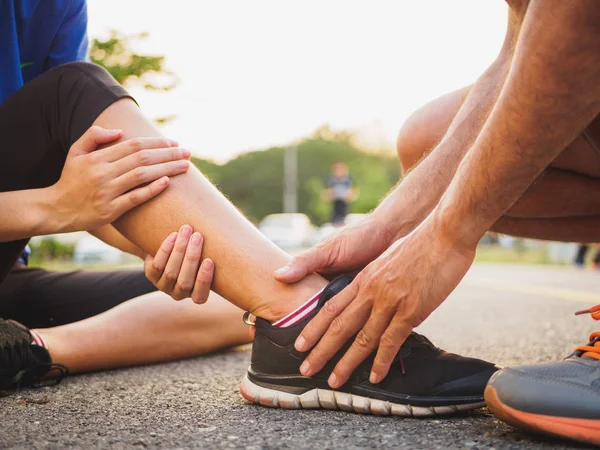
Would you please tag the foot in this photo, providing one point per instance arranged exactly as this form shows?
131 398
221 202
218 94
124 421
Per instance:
560 398
22 362
423 381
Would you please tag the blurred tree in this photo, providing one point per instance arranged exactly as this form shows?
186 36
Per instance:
258 191
130 68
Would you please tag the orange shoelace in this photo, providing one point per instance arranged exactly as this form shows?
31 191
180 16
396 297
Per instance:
593 350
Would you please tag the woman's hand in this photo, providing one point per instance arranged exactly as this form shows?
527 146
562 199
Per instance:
97 186
383 304
178 268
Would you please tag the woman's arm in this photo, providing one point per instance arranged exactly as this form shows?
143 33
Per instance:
111 236
95 187
27 213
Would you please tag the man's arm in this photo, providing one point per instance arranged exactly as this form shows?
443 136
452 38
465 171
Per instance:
420 191
551 94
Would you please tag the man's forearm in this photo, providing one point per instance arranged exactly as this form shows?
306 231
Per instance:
27 213
420 191
550 95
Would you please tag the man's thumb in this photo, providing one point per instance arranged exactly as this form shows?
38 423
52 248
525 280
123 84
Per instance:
300 266
94 137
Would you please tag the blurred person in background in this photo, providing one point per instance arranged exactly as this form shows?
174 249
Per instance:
340 191
582 252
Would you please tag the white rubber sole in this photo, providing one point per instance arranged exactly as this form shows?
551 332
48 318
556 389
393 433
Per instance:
327 399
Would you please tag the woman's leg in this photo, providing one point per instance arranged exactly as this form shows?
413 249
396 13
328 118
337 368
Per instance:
244 259
83 95
148 329
93 320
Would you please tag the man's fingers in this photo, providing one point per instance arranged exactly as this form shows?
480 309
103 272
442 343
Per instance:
138 196
131 146
203 281
173 268
149 158
389 345
147 174
155 266
342 328
189 268
92 138
365 343
320 323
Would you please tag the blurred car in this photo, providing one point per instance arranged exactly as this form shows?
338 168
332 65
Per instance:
287 230
92 250
352 219
328 228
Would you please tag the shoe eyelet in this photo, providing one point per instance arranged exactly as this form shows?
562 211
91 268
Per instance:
246 318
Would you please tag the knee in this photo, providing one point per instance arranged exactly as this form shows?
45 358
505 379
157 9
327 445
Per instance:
412 142
426 127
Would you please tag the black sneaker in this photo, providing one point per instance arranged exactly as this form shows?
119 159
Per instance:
423 380
21 363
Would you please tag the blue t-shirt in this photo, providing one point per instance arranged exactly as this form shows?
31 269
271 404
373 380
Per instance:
37 35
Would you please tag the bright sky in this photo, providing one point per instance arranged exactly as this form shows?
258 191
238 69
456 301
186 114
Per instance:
267 72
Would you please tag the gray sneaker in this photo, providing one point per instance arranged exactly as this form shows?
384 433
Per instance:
560 398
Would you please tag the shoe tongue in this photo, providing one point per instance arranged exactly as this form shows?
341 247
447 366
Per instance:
419 339
333 288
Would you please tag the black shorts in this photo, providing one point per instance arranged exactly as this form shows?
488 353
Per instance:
38 125
40 299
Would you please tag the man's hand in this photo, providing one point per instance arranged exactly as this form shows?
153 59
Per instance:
383 304
350 249
97 186
178 268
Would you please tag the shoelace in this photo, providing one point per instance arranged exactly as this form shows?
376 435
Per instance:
592 349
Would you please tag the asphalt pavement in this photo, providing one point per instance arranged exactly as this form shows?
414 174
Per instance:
508 314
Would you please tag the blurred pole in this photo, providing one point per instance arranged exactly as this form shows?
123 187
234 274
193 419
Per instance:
290 180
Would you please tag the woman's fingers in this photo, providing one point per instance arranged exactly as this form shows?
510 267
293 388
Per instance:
136 197
147 174
145 158
203 282
173 267
189 268
131 146
154 267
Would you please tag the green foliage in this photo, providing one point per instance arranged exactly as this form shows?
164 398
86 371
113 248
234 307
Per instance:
126 66
254 181
49 249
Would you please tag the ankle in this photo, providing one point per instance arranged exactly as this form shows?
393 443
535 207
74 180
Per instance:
291 298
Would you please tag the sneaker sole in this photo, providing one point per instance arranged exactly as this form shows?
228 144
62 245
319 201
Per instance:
327 399
582 430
